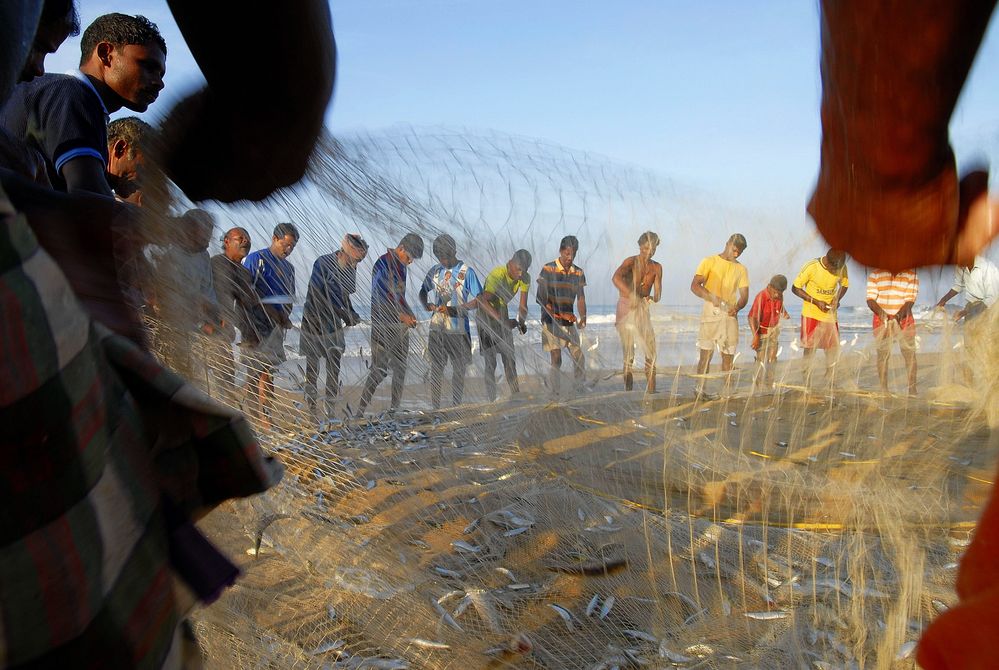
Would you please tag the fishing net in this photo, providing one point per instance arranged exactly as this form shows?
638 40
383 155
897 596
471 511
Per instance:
798 520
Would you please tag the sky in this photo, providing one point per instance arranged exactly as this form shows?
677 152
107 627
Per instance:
721 97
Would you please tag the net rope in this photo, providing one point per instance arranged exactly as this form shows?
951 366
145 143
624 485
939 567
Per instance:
812 522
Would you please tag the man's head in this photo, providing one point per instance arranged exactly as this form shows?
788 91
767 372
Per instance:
567 249
518 266
196 229
59 20
354 247
648 242
284 239
777 286
410 248
127 54
128 139
835 259
445 249
734 247
236 244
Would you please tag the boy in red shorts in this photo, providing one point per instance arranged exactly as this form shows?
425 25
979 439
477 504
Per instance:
891 297
764 323
822 283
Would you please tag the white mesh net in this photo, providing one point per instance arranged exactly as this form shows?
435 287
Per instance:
776 526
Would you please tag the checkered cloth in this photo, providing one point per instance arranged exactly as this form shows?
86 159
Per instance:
105 457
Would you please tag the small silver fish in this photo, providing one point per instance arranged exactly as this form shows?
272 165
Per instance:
519 587
565 614
672 656
939 606
470 527
768 616
707 560
639 635
506 573
905 651
444 572
446 616
327 646
516 531
579 513
418 543
592 606
605 610
331 611
427 644
465 547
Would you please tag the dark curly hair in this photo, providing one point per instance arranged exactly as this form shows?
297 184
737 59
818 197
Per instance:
133 130
119 30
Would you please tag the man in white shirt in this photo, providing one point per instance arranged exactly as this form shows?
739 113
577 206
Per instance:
980 284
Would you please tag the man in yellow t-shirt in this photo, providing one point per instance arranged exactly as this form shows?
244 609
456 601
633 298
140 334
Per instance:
723 283
493 318
821 283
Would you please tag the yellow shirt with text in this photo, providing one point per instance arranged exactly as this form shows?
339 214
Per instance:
815 280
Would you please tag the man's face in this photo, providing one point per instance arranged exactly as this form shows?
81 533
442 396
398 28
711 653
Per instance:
514 270
774 293
236 245
47 40
128 166
404 255
647 250
136 74
835 259
283 246
733 250
567 256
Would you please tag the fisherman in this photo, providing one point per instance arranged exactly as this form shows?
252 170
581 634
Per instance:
237 300
391 319
722 282
561 285
764 318
129 140
187 300
891 296
65 117
639 281
273 280
328 310
979 281
821 283
493 318
456 289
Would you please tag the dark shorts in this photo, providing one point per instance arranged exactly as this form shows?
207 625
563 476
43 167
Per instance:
445 346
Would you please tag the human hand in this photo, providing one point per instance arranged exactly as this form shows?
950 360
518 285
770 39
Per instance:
823 306
207 329
523 326
581 323
756 341
408 320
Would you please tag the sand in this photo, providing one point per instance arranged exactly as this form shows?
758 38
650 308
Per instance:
619 493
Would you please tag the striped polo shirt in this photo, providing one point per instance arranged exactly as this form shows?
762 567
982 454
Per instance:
891 291
558 288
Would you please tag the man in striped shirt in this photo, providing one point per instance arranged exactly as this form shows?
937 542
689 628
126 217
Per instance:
560 287
891 297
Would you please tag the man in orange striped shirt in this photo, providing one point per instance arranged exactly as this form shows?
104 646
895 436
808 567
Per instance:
891 297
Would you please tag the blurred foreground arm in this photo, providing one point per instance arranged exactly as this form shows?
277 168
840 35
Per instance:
270 71
887 189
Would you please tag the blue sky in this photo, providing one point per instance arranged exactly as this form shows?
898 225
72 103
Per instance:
721 97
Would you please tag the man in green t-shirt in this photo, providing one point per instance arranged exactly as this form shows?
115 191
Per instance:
494 323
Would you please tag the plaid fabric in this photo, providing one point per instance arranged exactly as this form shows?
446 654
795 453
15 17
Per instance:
96 436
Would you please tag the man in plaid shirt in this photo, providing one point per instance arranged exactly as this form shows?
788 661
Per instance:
107 456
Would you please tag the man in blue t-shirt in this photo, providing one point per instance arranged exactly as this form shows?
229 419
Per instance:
455 287
273 279
391 319
64 117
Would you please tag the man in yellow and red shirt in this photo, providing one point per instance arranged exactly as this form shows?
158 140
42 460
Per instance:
891 295
821 283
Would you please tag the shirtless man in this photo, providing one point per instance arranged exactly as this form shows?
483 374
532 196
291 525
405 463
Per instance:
639 280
